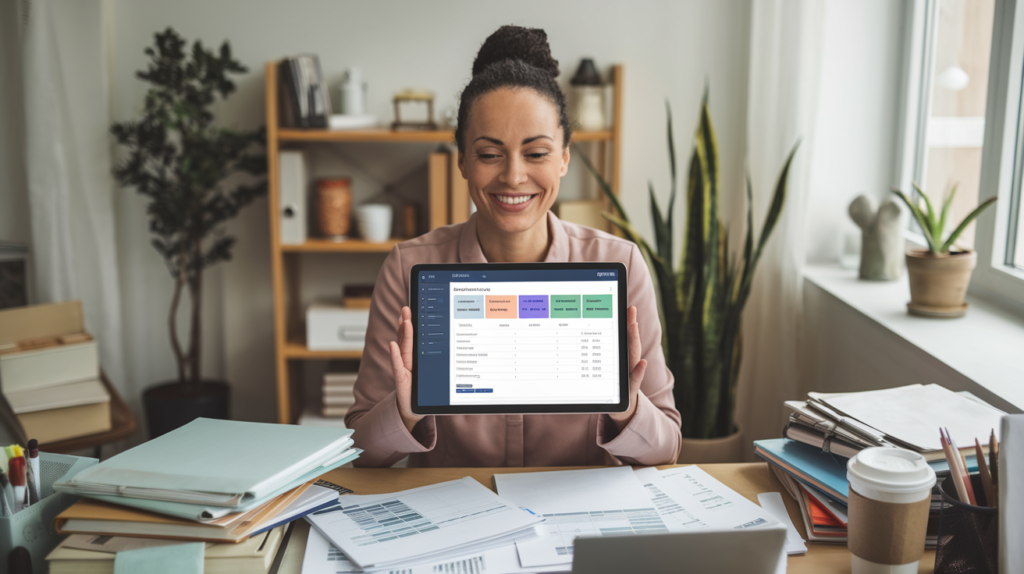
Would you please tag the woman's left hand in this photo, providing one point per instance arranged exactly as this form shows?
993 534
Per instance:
637 367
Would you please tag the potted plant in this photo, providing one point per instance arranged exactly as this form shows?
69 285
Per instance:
189 169
702 300
938 275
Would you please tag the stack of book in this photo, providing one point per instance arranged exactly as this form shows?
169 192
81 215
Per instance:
214 481
50 373
337 394
827 429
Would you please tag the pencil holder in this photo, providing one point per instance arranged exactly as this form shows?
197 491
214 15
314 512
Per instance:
32 528
968 534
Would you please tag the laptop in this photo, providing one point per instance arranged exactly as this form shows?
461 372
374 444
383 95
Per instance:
751 551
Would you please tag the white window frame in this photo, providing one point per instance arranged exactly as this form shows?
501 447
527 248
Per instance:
1002 159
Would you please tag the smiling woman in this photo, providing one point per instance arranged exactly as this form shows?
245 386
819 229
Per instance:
513 137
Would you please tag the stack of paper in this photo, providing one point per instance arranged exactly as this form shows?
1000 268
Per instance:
421 526
211 480
908 417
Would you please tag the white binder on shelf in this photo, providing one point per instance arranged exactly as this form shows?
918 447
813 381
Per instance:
294 214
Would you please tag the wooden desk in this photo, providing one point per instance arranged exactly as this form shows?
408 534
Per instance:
748 479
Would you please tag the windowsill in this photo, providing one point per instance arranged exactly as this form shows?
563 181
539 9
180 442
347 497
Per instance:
985 345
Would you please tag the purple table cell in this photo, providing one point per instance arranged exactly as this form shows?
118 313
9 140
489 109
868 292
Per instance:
533 306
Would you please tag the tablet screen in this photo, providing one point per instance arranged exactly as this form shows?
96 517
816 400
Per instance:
503 338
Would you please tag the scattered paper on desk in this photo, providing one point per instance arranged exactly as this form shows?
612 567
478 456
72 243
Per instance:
378 531
773 503
322 557
689 498
578 502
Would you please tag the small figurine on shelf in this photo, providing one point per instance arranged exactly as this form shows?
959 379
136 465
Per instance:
414 96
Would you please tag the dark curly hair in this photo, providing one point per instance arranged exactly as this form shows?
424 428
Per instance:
514 57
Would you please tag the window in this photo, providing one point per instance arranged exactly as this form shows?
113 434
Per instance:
962 126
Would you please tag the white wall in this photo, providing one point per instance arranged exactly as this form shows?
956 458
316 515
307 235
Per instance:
669 49
14 225
855 140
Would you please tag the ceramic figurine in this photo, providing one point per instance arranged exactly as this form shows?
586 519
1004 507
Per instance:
882 248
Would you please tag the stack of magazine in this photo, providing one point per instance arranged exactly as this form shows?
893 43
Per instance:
210 481
827 429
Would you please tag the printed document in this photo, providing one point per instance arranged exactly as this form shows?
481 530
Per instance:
599 501
322 557
689 498
376 531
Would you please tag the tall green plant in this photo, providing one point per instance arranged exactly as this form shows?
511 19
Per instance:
933 225
702 299
187 167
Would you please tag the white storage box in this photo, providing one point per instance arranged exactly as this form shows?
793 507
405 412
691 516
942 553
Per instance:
334 328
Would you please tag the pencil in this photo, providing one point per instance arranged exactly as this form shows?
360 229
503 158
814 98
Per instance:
954 468
963 469
993 457
986 478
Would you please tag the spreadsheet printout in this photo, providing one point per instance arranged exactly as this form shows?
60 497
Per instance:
690 499
593 502
375 531
322 557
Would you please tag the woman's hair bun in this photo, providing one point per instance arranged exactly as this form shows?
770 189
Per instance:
530 45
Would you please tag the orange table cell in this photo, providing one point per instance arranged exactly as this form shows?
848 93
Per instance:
501 307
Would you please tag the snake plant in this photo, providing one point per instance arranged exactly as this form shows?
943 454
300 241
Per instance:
933 225
702 299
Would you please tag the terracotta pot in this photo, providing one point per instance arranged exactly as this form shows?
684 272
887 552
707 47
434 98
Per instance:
712 450
938 283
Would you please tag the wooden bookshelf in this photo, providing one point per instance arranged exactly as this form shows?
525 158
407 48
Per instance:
289 336
316 245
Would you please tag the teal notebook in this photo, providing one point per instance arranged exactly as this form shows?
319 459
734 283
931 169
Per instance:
824 471
174 559
214 463
202 513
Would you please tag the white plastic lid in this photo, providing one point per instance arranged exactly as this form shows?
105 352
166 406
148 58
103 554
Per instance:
893 470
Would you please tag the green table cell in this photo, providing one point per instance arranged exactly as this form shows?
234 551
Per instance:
565 306
597 306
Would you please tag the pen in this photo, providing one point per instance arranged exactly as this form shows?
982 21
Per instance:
16 470
35 489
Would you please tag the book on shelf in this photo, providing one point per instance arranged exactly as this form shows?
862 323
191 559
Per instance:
339 400
334 411
87 554
305 102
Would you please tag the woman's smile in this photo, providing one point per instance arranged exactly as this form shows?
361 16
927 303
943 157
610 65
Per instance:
514 203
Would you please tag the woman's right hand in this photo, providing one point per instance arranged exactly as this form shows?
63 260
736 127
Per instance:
401 364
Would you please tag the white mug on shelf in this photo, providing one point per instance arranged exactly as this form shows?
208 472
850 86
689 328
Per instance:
374 220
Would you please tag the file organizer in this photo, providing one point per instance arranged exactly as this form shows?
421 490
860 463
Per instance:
33 526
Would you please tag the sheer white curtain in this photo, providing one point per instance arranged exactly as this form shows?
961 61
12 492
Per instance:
68 167
782 96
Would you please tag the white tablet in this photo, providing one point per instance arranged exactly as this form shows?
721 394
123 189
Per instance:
519 338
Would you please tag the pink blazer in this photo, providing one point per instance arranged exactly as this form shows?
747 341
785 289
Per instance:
652 436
